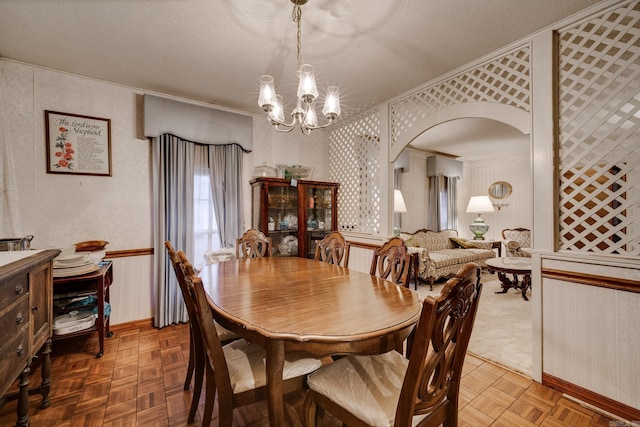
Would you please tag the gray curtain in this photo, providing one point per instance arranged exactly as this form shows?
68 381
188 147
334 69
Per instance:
175 162
443 211
397 185
225 170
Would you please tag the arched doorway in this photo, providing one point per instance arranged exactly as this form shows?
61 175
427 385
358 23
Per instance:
494 143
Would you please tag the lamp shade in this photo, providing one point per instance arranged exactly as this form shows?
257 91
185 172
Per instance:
398 202
479 204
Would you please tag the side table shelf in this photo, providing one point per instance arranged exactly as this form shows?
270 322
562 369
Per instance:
98 281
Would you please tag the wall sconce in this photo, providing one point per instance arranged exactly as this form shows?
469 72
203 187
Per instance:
500 205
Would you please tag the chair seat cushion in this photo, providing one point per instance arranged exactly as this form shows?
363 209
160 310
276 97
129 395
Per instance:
367 386
247 365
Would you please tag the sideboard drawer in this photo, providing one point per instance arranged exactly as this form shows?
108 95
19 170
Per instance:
14 356
14 318
12 289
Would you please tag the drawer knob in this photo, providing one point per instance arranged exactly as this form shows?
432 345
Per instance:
20 350
19 318
19 288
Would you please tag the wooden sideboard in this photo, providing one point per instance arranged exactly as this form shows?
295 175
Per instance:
26 310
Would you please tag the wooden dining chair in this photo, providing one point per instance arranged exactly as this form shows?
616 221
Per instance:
392 261
332 249
390 390
196 362
237 370
254 244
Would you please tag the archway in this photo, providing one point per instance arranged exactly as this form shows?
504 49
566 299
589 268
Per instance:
517 122
507 114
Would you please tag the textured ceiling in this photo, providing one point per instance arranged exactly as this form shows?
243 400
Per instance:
215 50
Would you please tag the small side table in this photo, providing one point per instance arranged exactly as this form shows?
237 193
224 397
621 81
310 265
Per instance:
100 281
515 266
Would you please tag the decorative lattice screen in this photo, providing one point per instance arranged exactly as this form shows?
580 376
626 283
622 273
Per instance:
354 146
504 80
599 133
354 162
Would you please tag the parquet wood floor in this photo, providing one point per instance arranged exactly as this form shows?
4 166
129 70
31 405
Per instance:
139 382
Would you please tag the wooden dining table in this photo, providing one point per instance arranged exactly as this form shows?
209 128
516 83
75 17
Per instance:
295 304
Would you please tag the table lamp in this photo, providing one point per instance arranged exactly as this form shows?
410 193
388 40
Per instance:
398 207
479 205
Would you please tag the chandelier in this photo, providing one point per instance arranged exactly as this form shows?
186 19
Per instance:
304 114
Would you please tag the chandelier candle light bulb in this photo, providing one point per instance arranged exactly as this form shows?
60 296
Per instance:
267 92
304 114
307 89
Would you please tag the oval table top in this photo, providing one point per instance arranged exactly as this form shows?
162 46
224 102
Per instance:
299 299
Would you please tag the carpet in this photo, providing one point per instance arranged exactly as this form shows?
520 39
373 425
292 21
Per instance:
503 329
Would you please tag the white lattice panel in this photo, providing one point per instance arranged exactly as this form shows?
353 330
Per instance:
599 134
504 80
354 162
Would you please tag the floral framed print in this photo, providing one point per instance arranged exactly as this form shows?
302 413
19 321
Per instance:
78 144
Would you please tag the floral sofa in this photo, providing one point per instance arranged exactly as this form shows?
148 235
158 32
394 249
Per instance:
442 253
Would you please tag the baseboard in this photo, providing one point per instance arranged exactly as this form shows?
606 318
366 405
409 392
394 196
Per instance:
134 324
607 404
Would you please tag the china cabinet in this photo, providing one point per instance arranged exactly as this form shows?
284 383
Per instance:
295 214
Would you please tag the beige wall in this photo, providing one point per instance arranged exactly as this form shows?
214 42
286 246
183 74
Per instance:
478 176
60 210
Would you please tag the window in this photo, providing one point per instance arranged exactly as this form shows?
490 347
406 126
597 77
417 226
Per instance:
206 236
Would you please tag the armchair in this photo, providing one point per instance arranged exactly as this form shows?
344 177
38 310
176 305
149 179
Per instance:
516 239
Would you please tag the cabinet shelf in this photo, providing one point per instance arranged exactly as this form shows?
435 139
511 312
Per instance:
96 283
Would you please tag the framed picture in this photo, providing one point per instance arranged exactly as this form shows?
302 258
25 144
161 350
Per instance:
78 144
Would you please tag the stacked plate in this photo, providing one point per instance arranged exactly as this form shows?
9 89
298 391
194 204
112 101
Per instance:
73 265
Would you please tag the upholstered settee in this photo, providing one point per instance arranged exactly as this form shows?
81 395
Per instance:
442 253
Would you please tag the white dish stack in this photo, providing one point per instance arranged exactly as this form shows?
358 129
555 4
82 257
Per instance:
74 264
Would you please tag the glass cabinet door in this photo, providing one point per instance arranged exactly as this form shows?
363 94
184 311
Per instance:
318 206
282 220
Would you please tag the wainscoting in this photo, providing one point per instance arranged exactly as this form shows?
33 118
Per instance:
133 290
590 326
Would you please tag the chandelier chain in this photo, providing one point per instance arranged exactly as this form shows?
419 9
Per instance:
297 18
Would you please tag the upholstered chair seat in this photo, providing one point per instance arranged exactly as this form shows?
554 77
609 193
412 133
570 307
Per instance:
246 363
368 387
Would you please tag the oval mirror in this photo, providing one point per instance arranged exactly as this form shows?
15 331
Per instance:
500 190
